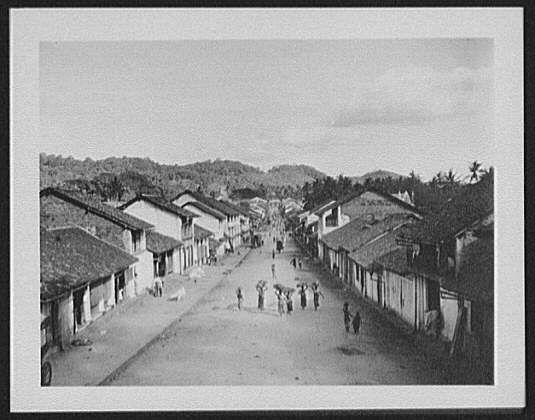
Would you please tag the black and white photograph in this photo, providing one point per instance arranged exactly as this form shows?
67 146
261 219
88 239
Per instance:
268 209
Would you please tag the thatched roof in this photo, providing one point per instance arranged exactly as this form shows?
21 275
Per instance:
92 206
71 257
158 243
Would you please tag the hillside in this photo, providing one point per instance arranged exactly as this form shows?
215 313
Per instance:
377 174
145 175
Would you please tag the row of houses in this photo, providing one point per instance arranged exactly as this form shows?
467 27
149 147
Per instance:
435 272
94 256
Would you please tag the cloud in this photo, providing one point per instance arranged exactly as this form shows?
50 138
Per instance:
418 94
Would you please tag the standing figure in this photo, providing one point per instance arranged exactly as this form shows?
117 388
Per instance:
289 303
239 295
300 263
293 262
261 288
280 302
317 294
158 287
273 254
356 323
347 316
302 292
273 274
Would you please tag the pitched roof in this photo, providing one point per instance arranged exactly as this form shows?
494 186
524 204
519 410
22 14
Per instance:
209 201
474 203
232 206
367 254
320 207
158 243
395 261
71 257
475 279
201 233
107 212
162 204
354 195
359 231
206 209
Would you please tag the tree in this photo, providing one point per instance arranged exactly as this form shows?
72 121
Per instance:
451 177
475 171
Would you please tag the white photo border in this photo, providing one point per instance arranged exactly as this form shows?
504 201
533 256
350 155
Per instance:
29 27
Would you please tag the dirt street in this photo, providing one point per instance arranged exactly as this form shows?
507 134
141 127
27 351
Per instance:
216 344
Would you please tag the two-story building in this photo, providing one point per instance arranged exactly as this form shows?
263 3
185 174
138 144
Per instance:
368 203
60 208
169 220
231 224
81 278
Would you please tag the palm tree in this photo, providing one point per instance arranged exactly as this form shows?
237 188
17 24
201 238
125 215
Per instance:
475 171
451 177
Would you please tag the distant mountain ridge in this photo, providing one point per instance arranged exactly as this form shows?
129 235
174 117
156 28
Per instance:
377 174
211 176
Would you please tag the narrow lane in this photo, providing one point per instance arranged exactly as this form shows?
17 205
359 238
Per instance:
215 344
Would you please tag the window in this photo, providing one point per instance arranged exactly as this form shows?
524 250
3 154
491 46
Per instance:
136 241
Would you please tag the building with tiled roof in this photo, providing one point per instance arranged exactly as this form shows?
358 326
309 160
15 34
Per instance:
229 228
81 278
60 208
170 220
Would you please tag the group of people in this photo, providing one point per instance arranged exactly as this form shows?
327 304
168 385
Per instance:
296 262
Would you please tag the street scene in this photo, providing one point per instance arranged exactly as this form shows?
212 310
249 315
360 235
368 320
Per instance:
249 212
229 346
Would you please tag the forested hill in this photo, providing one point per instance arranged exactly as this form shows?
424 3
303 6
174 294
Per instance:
144 175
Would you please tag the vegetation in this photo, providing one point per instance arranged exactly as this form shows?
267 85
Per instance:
120 178
428 196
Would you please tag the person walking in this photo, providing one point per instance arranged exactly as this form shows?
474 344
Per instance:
347 316
293 262
273 274
300 263
280 302
158 287
273 254
289 303
302 292
239 295
356 323
317 294
261 288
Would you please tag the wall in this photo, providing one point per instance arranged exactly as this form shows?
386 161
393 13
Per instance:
371 203
164 222
65 320
145 272
55 212
449 309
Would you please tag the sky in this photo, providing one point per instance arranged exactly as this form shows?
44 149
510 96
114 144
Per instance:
342 106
